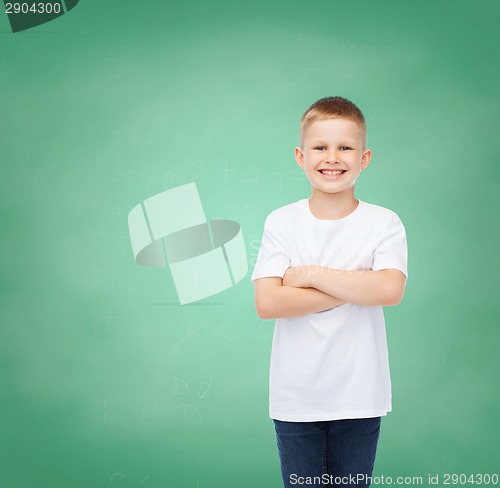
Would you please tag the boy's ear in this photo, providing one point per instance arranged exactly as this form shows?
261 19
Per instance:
365 159
299 157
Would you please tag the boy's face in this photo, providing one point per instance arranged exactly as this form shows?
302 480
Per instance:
333 156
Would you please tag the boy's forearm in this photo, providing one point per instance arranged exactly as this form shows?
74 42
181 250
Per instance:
290 301
384 287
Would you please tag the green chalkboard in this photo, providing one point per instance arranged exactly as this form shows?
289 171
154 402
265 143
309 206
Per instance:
106 380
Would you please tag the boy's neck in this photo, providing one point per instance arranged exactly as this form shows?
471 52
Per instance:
332 206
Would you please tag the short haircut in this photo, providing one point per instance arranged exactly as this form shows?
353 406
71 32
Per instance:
331 108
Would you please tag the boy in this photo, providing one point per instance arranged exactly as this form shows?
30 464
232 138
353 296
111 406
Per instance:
325 268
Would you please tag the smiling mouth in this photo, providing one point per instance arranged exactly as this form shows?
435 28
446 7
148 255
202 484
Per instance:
332 172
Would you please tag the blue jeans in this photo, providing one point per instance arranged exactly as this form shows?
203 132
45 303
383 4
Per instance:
330 453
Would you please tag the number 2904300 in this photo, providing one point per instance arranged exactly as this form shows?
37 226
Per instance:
35 8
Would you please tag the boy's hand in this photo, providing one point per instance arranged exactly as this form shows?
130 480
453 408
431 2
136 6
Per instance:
299 276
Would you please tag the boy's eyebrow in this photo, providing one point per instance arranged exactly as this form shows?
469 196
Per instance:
319 141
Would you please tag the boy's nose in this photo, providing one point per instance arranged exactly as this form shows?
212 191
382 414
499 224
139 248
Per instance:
332 157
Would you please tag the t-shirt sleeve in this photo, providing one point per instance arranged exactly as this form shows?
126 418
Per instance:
273 258
392 250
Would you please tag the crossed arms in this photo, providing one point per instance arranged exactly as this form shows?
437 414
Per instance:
309 289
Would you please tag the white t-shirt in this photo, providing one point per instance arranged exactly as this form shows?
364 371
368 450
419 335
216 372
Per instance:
333 364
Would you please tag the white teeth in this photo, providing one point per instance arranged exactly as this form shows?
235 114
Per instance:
330 172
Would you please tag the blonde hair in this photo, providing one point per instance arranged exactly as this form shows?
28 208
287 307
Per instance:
331 108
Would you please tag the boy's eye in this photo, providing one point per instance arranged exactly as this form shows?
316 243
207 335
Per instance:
341 147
